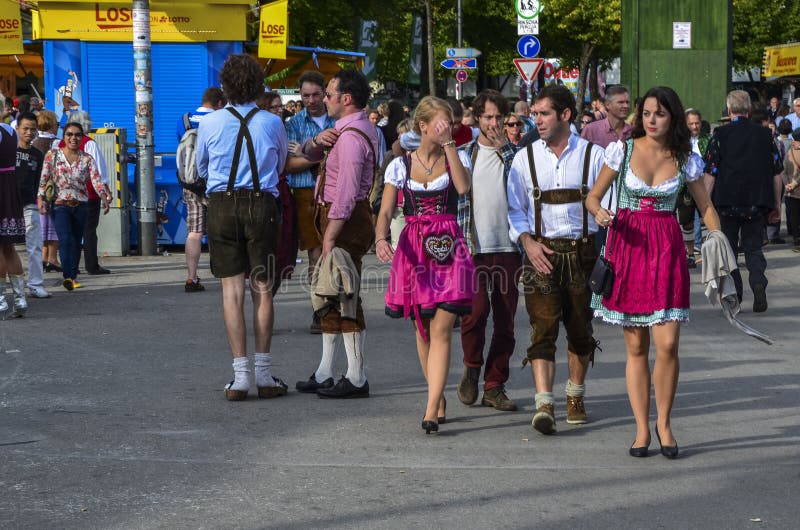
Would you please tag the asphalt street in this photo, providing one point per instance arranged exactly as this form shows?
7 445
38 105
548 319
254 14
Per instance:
112 416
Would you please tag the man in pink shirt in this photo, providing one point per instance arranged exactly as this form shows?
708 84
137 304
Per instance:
606 131
613 127
344 221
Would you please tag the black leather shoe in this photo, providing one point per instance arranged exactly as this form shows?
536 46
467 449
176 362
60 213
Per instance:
669 451
430 426
344 389
311 386
98 271
639 452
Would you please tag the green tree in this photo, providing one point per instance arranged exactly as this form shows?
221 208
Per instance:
761 23
582 33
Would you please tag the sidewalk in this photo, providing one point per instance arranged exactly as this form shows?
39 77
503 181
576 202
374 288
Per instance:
112 415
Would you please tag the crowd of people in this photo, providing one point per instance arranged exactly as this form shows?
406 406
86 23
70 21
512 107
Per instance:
471 207
51 194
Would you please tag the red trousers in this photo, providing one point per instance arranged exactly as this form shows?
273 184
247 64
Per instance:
496 278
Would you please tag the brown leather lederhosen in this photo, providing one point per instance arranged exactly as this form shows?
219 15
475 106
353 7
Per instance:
356 237
563 294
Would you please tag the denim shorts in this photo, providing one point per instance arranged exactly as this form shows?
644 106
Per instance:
243 234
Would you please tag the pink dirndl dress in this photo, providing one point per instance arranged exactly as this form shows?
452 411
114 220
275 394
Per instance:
432 267
645 247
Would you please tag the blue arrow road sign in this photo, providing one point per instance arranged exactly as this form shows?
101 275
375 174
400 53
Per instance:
460 63
528 46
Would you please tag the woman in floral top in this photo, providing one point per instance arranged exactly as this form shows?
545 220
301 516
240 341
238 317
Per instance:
71 170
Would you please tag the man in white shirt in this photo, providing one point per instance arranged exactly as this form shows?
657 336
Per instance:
547 187
497 260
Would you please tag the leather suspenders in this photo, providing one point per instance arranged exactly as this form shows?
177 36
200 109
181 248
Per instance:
560 196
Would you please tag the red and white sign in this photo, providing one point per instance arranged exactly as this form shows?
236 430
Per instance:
528 68
462 76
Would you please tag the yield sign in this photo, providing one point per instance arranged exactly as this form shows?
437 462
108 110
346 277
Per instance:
528 68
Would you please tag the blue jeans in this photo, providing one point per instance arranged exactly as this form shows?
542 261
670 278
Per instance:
70 223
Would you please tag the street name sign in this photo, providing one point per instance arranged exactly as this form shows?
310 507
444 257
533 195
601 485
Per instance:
528 26
463 52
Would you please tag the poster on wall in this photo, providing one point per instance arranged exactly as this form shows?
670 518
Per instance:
10 29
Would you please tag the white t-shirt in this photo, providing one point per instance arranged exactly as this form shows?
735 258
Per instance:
490 203
320 120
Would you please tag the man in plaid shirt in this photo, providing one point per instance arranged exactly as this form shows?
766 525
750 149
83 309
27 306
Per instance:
497 258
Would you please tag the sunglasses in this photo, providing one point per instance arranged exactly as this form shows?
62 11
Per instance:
584 122
513 124
73 135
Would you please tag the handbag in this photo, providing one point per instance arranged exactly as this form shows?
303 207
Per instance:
601 280
50 191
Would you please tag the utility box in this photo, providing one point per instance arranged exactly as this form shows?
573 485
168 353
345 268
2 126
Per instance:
113 232
682 44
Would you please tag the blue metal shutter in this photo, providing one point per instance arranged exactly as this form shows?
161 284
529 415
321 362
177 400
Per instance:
180 74
109 85
179 77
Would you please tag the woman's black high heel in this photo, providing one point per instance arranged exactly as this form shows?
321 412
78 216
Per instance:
669 451
443 419
430 426
639 452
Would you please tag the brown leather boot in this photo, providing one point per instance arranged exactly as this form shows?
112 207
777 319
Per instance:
496 397
576 412
544 420
468 386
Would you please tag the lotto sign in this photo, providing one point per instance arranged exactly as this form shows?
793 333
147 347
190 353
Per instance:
273 35
528 8
10 29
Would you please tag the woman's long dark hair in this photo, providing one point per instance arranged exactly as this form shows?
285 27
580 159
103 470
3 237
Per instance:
678 135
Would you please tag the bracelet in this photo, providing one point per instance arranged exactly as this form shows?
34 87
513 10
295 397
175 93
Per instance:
449 143
314 140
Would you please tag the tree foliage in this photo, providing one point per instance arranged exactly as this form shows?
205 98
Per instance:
761 23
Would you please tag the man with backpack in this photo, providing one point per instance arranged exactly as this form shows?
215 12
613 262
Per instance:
193 187
241 150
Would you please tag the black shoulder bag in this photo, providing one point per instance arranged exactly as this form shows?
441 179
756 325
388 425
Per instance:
601 280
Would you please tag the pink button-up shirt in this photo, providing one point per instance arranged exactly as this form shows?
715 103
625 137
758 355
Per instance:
601 133
350 168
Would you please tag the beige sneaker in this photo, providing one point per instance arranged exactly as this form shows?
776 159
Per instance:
576 412
544 420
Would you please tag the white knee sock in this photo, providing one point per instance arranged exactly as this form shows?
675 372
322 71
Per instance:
325 369
544 398
241 374
354 346
575 390
263 374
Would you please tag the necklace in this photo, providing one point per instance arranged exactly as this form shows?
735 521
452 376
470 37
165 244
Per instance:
429 170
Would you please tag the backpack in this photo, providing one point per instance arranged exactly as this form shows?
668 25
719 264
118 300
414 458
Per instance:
185 160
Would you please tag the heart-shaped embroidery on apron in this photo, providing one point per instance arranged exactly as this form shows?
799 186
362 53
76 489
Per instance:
439 247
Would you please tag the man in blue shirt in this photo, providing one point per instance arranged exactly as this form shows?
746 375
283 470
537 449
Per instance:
241 150
196 205
305 125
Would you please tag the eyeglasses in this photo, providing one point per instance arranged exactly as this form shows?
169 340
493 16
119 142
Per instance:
584 122
73 135
329 95
513 123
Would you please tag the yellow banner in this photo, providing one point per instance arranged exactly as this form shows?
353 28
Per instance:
273 30
10 29
113 21
782 60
